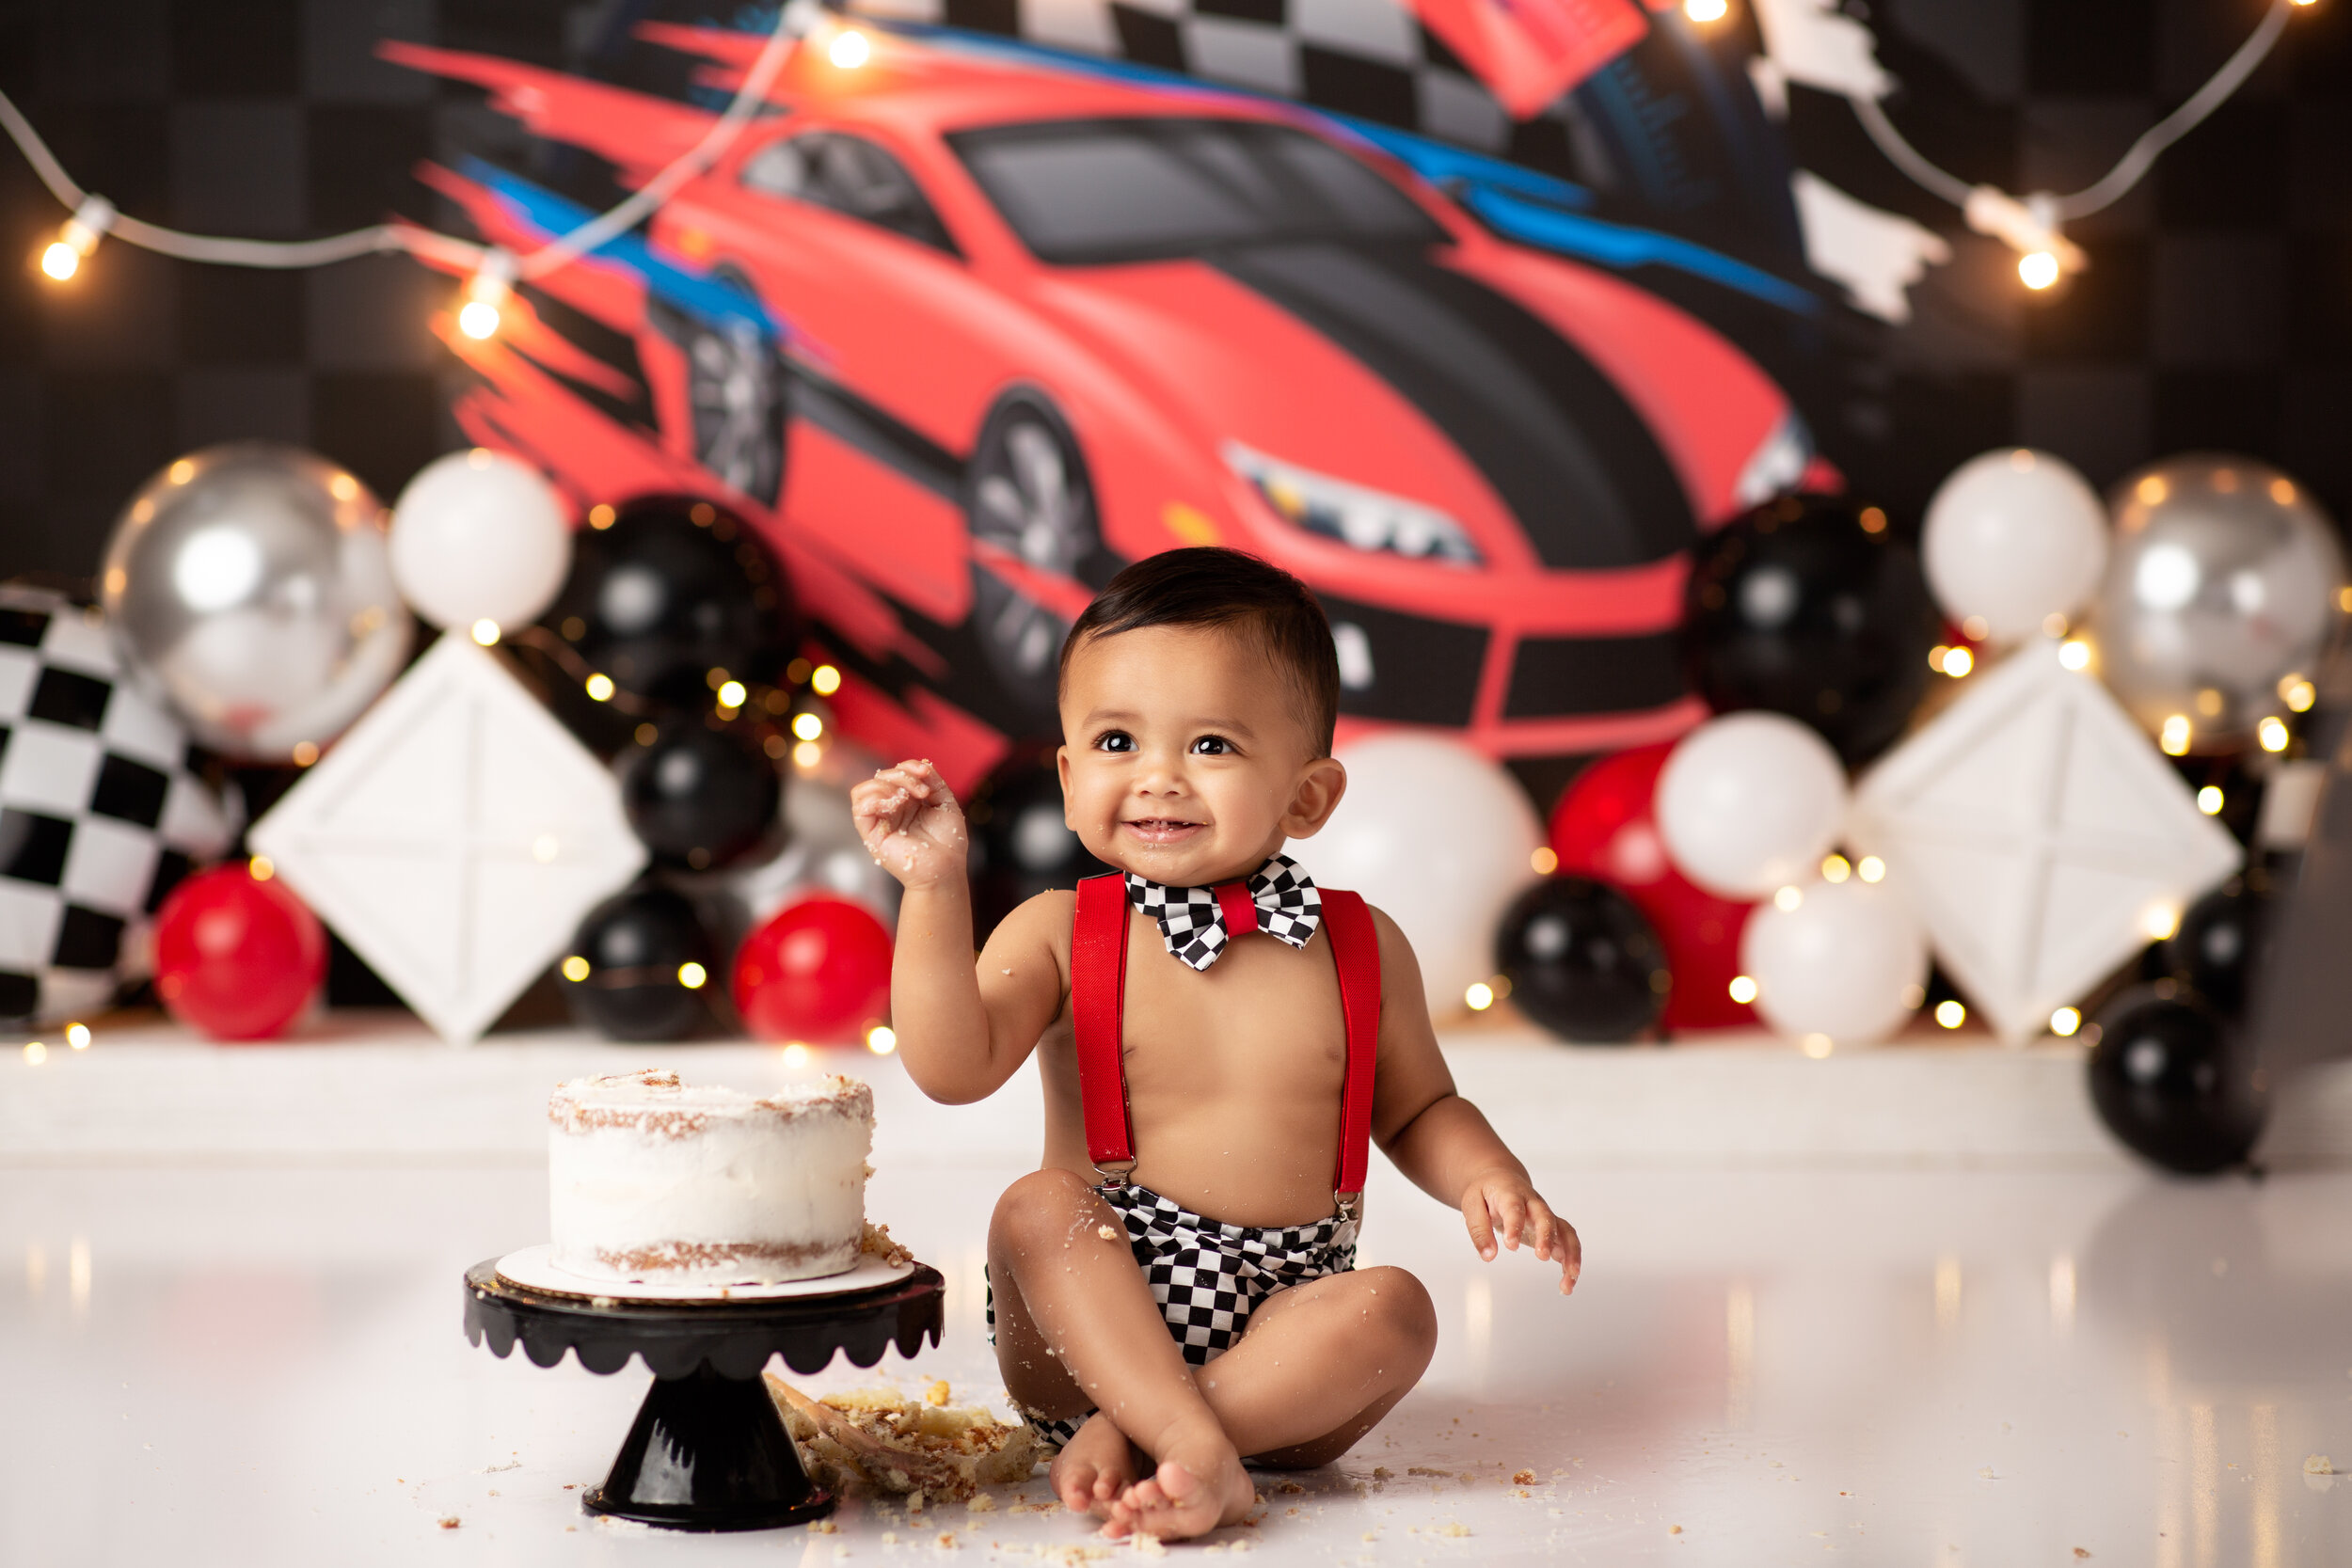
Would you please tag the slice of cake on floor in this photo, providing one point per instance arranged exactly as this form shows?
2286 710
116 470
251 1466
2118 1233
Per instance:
650 1180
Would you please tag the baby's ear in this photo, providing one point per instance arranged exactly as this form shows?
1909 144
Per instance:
1320 784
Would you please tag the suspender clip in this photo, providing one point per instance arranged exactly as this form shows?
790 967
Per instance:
1113 1173
1349 1207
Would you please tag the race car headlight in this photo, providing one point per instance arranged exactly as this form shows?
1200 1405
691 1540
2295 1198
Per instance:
1776 464
1363 519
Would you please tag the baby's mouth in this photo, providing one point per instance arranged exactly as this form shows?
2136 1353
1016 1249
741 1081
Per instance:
1161 829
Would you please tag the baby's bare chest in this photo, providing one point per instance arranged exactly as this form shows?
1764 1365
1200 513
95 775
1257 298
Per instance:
1261 1028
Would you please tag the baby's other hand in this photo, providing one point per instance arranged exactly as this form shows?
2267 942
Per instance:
1505 1205
911 824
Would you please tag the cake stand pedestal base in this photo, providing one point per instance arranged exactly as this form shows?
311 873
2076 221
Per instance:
708 1453
707 1450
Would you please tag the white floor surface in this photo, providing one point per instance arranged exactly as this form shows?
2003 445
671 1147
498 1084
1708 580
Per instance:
207 1361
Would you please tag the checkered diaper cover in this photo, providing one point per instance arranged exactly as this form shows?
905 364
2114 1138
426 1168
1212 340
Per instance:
1209 1277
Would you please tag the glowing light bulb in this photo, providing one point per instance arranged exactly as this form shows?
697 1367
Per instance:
807 754
599 687
2074 653
1958 662
1705 11
1834 869
1742 989
486 632
1950 1014
691 975
1480 996
1870 868
1788 898
2172 735
2037 269
78 238
2272 733
2298 693
796 1054
807 725
77 1036
850 50
882 1039
824 680
35 1052
2209 800
1546 861
2065 1022
261 868
488 290
732 694
574 969
2160 922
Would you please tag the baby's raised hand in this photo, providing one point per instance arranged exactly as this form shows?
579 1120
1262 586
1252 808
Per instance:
911 824
1506 1206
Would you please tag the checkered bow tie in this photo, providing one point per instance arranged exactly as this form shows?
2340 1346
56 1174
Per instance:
1277 898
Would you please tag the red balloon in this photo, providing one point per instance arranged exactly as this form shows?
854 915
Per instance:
819 972
1603 828
237 956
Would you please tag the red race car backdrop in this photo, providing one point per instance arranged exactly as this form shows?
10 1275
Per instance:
963 327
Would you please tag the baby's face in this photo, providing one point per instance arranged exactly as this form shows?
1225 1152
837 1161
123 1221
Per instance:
1184 758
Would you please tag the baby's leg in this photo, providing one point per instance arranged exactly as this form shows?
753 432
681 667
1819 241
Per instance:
1077 1326
1318 1367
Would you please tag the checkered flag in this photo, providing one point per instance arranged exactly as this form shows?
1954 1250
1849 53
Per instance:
1193 926
100 817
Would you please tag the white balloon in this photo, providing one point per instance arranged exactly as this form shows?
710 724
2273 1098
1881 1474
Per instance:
1845 961
1749 803
2012 538
1440 839
477 536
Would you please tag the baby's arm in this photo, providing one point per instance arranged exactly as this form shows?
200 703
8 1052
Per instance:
963 1028
1440 1141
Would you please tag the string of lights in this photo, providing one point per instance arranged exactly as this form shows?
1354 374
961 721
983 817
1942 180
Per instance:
492 271
2032 225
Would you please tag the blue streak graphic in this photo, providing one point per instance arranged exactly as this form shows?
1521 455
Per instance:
699 294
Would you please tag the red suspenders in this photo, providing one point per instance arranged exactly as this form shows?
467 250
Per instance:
1098 995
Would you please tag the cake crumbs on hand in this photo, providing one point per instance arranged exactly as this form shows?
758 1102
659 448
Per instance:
1522 1477
2319 1465
2079 1552
449 1523
1106 1232
1674 1530
824 1526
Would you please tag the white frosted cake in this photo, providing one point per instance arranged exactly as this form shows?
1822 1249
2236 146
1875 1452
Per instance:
650 1180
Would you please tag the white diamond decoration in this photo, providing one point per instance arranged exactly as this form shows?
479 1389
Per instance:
2039 836
454 837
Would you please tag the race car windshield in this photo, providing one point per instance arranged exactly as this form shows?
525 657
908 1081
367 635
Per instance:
1091 191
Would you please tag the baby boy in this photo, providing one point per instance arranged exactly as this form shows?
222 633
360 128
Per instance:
1175 1289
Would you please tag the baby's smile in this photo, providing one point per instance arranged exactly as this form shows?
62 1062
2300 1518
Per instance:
1163 831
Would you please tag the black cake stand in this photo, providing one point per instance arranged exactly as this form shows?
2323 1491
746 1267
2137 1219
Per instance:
708 1451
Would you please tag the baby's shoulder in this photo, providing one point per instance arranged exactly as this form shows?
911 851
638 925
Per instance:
1045 918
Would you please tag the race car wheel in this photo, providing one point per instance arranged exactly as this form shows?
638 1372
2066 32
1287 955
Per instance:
735 384
1026 493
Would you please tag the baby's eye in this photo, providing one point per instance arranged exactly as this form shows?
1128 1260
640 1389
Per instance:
1210 746
1115 741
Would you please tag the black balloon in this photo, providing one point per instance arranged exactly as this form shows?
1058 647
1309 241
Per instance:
1581 960
1808 606
700 794
2216 951
1019 845
634 947
2174 1084
671 591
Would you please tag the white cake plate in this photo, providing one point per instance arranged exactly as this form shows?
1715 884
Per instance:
534 1269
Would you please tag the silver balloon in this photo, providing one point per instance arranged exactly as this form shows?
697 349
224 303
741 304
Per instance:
2220 595
249 587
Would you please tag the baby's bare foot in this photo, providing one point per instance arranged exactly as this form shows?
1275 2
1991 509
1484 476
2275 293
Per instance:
1199 1486
1094 1468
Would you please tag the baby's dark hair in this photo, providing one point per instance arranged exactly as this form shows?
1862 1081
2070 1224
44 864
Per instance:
1212 586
